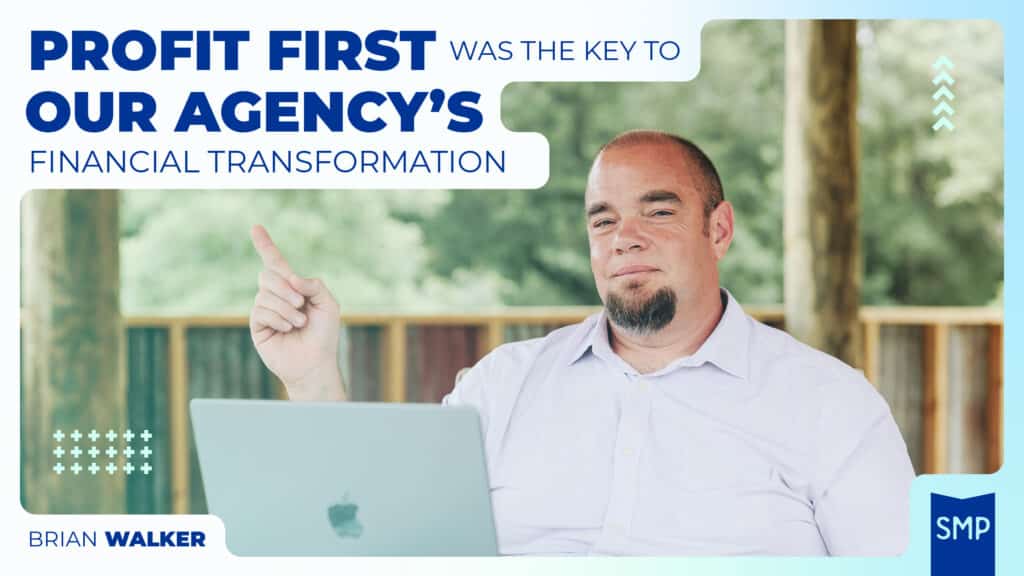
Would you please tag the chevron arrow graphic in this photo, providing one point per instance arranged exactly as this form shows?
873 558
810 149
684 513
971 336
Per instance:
943 92
942 62
943 95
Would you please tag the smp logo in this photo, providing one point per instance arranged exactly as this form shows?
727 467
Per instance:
963 535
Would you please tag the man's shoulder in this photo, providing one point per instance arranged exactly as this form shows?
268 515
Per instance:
495 380
833 401
557 343
778 357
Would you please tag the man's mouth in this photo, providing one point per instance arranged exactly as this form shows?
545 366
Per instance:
635 269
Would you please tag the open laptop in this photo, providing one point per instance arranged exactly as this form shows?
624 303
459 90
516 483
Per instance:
345 478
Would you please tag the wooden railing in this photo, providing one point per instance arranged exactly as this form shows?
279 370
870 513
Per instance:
939 368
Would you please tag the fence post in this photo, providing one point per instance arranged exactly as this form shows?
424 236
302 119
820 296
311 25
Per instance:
994 400
493 335
935 353
872 335
177 396
394 361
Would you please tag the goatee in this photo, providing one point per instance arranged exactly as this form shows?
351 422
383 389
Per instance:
642 315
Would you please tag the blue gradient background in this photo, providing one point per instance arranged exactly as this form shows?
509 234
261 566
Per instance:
1007 483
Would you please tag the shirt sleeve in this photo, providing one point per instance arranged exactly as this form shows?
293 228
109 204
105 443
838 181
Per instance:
470 390
862 497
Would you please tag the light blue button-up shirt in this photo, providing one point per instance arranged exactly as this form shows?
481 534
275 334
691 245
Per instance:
755 444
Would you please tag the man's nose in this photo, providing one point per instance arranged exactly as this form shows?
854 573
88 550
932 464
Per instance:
629 237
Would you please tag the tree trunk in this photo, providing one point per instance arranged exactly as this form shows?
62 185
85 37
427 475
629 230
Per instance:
72 349
822 235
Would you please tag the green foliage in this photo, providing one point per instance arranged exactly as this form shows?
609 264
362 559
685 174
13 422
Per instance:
931 203
189 251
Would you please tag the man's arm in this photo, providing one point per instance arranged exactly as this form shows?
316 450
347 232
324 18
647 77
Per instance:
294 325
863 504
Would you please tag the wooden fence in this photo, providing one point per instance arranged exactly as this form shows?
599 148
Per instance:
939 368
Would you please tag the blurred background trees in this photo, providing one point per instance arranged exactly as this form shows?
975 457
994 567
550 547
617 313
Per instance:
932 202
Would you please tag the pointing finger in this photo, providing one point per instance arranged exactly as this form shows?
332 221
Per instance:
268 251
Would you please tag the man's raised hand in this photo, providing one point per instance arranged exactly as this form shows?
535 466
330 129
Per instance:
294 325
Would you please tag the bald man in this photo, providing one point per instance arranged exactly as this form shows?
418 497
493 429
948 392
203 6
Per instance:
670 423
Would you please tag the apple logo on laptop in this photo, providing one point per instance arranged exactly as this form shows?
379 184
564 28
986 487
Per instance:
342 517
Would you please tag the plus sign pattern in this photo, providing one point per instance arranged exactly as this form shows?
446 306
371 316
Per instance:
71 460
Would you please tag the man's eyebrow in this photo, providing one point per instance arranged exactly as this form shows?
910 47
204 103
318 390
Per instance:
647 198
661 196
597 208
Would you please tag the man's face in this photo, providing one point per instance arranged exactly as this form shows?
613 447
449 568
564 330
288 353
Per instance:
645 221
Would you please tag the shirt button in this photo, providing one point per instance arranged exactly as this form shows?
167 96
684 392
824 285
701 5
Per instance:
642 386
616 528
627 451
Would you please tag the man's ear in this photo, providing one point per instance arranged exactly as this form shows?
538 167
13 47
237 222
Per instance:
722 228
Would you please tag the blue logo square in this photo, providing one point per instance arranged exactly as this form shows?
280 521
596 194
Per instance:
963 535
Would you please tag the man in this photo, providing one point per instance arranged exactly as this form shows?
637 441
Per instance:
670 423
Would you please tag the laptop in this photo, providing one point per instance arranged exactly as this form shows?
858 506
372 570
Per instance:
345 478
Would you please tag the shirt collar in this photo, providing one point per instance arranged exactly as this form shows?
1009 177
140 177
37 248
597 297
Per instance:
727 347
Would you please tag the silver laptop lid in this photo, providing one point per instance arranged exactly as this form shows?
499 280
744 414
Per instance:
316 479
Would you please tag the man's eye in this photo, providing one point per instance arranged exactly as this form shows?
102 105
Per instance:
602 223
663 213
